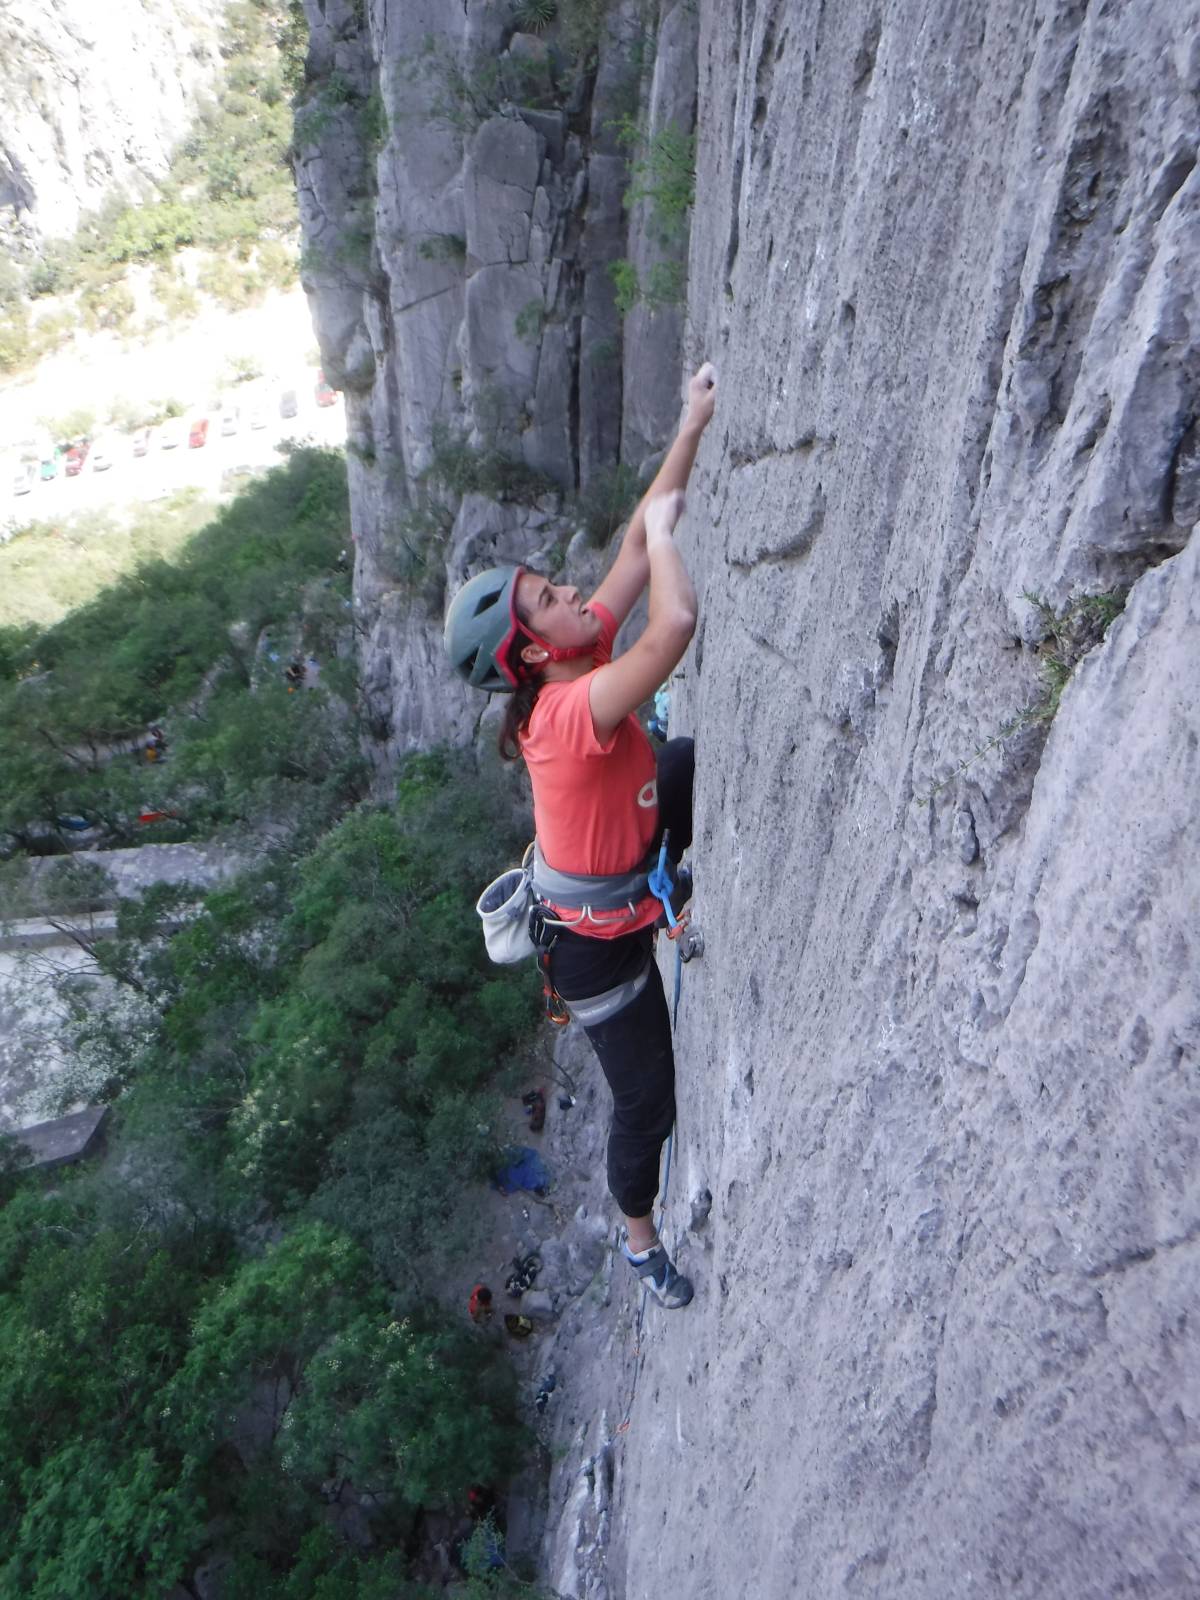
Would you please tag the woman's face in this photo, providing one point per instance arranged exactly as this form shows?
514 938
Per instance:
555 611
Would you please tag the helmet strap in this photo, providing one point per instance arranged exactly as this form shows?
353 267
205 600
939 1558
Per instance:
556 652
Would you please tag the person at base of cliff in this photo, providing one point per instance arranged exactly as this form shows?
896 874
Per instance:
601 800
479 1307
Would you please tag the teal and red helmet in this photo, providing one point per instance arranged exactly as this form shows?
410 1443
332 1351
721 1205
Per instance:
482 627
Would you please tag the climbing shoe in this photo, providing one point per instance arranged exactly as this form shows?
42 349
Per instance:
657 1272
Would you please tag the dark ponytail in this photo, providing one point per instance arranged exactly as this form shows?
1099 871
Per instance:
518 709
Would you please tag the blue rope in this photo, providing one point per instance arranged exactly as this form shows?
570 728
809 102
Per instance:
661 882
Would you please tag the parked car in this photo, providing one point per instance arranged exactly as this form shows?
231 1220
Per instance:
49 468
26 477
170 435
76 456
288 404
257 417
141 441
325 394
102 455
229 421
199 434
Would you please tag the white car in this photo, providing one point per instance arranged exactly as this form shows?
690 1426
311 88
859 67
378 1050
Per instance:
229 422
172 434
101 454
26 477
258 417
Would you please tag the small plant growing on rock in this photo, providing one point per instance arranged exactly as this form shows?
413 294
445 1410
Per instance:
663 174
531 16
1068 636
625 282
374 122
531 319
317 114
607 501
459 468
465 91
666 285
582 28
443 247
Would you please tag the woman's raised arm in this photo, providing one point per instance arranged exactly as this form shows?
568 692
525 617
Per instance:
630 572
621 686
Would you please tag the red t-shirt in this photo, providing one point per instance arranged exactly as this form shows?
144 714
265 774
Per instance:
595 804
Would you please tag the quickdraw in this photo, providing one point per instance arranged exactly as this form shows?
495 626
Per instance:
556 1006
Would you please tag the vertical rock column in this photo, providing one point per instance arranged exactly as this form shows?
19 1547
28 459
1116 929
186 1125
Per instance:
459 246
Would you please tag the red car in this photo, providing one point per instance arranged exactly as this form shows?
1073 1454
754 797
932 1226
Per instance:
199 434
76 456
326 396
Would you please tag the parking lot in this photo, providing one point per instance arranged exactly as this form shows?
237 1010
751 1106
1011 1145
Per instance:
161 470
197 366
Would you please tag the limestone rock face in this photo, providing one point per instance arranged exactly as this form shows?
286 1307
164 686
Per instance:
939 1064
935 1176
95 98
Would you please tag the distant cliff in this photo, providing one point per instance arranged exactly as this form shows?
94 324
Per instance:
95 98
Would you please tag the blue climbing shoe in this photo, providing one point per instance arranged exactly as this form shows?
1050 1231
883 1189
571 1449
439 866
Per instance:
657 1272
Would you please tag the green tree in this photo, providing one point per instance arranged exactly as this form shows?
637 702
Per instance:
95 1496
401 1410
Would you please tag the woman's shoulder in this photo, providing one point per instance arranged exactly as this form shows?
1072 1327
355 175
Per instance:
561 721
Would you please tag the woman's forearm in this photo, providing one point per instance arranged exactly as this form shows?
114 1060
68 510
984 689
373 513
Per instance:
679 460
674 473
672 594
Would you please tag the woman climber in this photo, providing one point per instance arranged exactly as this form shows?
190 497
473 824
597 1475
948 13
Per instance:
602 804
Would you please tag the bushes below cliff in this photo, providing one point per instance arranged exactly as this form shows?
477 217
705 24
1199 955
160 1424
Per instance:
222 1335
189 642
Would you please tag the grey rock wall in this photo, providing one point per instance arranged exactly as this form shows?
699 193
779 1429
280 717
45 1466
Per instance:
937 1069
95 98
462 200
939 1066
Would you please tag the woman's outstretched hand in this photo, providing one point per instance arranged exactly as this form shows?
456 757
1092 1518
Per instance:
663 511
702 396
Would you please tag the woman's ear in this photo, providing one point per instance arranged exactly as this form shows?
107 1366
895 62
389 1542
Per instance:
533 655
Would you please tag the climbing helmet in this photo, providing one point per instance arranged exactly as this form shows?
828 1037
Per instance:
481 626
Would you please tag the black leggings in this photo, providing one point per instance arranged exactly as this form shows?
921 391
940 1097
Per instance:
634 1047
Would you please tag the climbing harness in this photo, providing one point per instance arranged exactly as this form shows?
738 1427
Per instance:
552 890
585 894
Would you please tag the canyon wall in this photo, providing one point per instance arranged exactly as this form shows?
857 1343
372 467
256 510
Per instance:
461 190
938 1067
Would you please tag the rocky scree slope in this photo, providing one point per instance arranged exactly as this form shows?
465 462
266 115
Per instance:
96 98
938 1066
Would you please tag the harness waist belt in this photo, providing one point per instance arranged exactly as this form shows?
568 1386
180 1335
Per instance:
576 890
600 1007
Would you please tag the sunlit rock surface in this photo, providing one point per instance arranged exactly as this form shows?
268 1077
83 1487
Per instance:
95 97
938 1067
